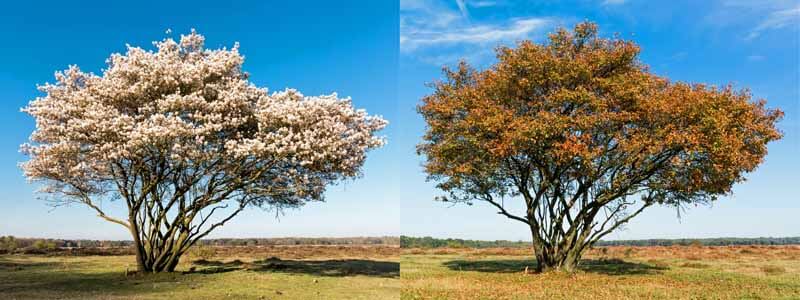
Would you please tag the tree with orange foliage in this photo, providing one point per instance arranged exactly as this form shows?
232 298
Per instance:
583 133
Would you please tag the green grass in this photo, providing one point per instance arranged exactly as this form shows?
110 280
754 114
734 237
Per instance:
708 274
103 277
350 273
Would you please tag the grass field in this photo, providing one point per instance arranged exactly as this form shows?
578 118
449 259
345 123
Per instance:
276 272
677 272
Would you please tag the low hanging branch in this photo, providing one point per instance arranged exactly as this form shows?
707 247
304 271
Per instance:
187 142
577 129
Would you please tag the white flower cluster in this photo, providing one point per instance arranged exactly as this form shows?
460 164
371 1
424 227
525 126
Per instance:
192 105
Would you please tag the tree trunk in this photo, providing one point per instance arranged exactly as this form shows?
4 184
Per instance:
557 261
174 263
168 257
141 265
548 258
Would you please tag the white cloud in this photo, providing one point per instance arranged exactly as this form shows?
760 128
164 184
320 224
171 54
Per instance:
761 15
776 20
477 34
429 24
614 2
482 3
463 8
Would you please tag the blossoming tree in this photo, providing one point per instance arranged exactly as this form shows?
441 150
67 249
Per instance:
182 137
585 138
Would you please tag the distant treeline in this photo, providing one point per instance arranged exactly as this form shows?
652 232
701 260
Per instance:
384 240
706 242
429 242
12 244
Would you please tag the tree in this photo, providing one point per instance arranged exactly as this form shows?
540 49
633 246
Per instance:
8 243
187 142
44 245
586 137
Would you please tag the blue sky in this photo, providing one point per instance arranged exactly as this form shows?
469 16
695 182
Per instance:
382 53
748 43
349 47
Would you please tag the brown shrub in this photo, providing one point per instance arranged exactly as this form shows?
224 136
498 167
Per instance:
658 263
772 270
694 265
693 257
201 252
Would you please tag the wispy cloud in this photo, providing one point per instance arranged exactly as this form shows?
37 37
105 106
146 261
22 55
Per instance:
776 20
463 8
478 34
613 2
483 3
427 25
760 15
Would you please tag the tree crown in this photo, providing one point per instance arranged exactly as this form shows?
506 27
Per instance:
582 113
184 120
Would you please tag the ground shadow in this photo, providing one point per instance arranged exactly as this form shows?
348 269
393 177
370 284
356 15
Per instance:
41 280
336 267
600 266
213 266
10 266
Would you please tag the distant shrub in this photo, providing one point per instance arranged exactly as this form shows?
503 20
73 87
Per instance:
203 252
693 257
628 252
658 263
612 261
443 251
416 251
772 270
44 245
8 244
455 244
695 265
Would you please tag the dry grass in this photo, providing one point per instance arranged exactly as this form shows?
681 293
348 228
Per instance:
676 272
277 272
303 252
773 269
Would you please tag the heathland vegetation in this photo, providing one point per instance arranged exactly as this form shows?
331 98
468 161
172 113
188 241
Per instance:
11 244
429 242
208 272
613 272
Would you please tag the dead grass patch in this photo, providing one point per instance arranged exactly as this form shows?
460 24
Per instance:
695 265
772 270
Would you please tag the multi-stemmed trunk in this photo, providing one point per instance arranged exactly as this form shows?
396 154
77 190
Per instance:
163 255
559 257
552 259
171 210
564 226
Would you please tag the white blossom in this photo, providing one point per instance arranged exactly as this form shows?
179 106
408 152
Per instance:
191 106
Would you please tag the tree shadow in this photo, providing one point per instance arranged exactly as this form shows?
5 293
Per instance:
601 266
214 266
335 267
617 266
46 280
10 266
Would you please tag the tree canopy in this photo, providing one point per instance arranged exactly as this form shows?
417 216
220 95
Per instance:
578 128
